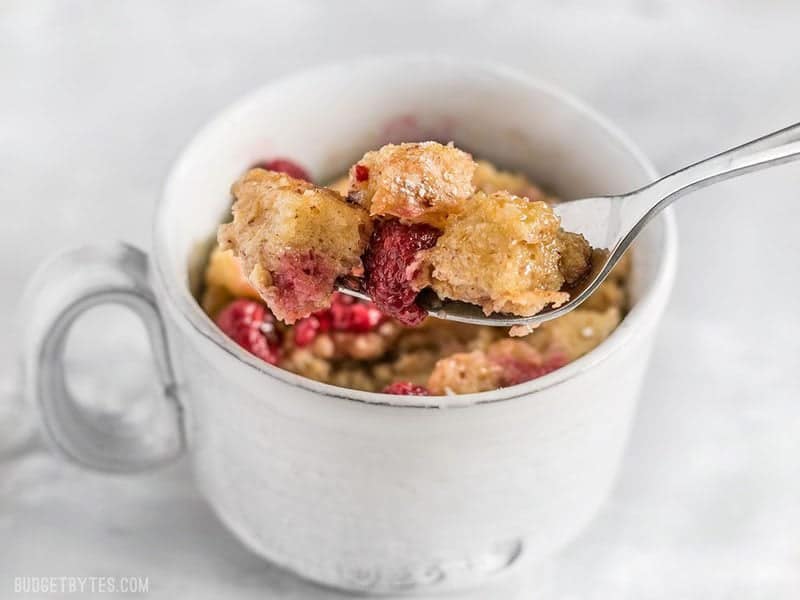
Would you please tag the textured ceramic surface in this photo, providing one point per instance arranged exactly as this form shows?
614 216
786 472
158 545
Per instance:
439 495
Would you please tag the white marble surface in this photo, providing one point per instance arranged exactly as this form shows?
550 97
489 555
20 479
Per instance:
97 97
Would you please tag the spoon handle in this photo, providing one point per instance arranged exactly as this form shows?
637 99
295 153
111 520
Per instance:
772 149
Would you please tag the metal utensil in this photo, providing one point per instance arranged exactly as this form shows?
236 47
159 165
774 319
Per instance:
614 222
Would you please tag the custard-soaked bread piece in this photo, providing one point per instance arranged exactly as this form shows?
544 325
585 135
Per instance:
503 363
575 259
614 290
340 184
224 280
505 254
224 270
464 373
420 182
575 333
522 361
214 298
489 179
304 362
622 270
610 293
294 240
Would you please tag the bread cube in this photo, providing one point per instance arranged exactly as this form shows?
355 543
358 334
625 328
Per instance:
293 240
505 254
419 182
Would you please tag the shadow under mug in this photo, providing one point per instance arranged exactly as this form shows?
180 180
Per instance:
358 490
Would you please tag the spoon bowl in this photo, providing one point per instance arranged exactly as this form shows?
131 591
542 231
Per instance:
612 223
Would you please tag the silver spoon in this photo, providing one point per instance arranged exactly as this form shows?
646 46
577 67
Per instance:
613 222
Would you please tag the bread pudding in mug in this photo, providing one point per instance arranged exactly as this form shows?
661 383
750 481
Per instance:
406 218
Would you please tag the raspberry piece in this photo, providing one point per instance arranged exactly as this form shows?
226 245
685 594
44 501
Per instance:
345 314
252 326
284 165
361 172
518 371
307 329
357 317
389 267
406 388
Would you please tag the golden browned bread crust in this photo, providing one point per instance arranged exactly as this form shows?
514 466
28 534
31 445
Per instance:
419 182
505 254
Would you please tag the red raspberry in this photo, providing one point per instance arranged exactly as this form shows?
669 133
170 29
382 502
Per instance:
406 388
345 314
362 173
284 165
252 326
519 371
392 248
307 329
357 317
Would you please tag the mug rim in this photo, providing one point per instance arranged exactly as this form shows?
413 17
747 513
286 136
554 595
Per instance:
193 315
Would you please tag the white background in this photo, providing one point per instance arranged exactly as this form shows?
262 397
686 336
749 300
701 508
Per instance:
96 98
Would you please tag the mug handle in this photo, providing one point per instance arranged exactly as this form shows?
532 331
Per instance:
59 292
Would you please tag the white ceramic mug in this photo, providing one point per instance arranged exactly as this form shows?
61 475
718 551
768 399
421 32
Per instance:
359 490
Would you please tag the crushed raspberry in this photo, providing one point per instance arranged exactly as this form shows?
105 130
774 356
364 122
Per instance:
357 317
251 325
307 329
392 249
284 165
362 172
518 371
345 314
406 388
302 280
